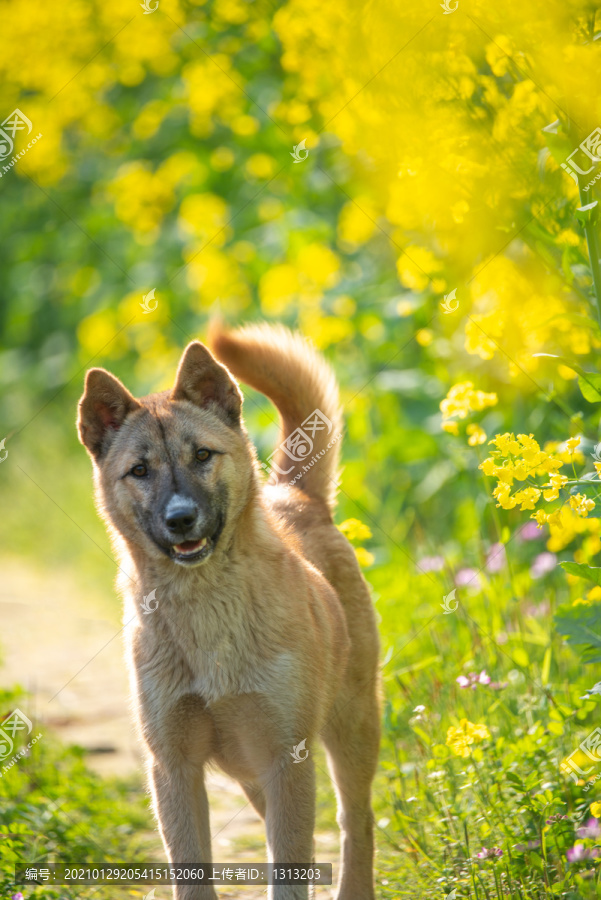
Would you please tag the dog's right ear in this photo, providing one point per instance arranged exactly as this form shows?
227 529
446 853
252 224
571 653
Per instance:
102 410
205 382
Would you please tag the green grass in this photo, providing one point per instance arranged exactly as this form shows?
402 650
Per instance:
444 808
56 810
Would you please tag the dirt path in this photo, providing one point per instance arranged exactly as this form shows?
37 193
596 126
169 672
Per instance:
66 650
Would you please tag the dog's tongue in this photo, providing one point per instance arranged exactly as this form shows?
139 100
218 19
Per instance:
189 545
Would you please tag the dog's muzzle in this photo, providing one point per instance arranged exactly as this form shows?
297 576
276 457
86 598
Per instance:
191 535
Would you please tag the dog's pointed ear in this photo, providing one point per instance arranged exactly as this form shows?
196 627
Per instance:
205 382
102 410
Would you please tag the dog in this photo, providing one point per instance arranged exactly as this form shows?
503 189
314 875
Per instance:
261 635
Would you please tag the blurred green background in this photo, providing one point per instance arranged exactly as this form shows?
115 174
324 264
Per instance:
167 162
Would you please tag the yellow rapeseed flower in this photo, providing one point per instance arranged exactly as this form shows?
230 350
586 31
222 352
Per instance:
502 494
462 399
477 435
556 482
364 557
506 443
460 738
451 426
489 466
528 497
581 504
541 517
355 530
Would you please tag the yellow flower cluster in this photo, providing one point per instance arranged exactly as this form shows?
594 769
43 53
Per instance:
460 738
513 321
460 401
593 596
428 156
355 530
568 525
520 459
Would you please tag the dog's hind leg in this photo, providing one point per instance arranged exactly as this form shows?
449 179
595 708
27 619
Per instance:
182 809
351 739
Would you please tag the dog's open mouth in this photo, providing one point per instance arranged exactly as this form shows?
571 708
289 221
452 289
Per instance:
192 551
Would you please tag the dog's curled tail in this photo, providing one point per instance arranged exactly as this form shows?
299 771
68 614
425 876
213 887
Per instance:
283 365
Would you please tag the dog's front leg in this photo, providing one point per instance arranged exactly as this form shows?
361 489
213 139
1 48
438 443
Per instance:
290 821
182 808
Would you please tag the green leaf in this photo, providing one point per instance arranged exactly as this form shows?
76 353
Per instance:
422 734
581 625
592 573
588 382
590 387
515 779
587 214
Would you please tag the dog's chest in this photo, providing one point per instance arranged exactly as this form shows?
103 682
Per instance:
228 672
217 650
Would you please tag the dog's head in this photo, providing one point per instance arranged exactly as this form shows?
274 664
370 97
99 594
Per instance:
173 470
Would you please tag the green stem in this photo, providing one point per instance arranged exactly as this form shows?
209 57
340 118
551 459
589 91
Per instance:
588 482
593 251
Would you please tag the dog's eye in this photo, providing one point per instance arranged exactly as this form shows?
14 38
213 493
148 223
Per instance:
140 470
202 455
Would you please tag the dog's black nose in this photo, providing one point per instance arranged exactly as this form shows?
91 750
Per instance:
181 516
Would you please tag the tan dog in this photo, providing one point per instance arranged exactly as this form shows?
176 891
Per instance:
264 636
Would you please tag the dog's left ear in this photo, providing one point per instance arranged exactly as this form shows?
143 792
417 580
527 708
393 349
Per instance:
205 382
105 405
